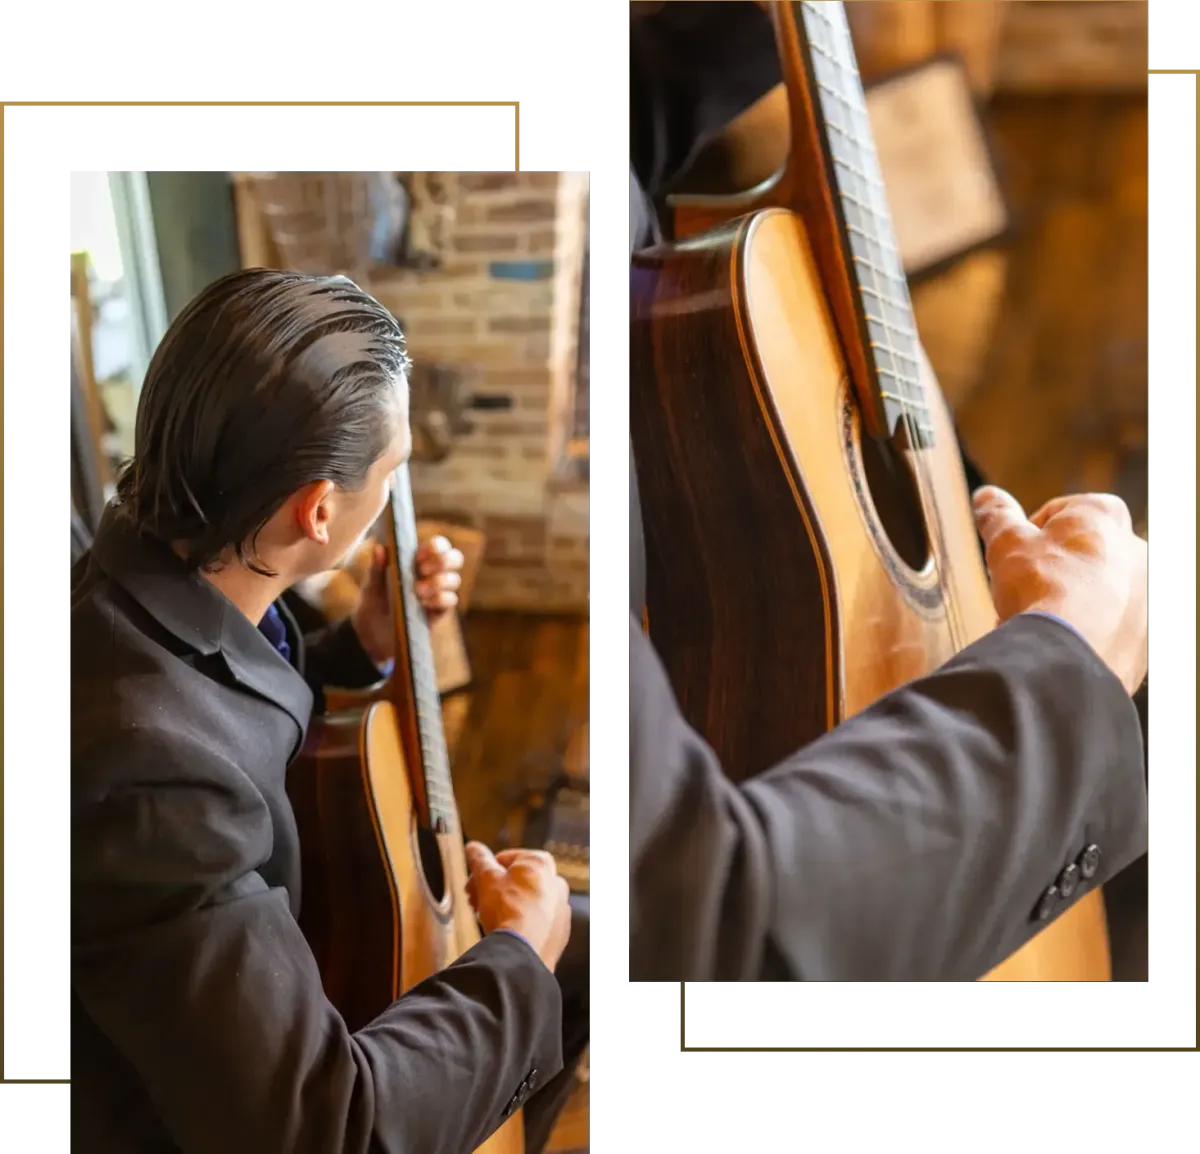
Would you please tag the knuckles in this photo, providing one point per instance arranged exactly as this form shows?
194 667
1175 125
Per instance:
1110 505
534 861
1007 540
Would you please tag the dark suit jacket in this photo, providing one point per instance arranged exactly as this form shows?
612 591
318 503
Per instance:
915 841
199 1022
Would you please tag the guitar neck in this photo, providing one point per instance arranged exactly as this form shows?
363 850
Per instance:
414 679
862 270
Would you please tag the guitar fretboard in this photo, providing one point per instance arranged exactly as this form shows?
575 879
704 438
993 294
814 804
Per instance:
870 243
435 760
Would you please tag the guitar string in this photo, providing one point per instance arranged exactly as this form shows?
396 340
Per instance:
886 240
925 485
431 737
812 30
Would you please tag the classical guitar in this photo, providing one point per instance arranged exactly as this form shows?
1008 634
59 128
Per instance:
383 865
810 541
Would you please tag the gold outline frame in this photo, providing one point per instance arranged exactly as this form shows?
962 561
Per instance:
1025 1049
43 1081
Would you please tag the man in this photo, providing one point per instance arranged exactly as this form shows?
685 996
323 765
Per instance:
270 424
928 837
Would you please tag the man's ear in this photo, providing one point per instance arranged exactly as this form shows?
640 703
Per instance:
314 507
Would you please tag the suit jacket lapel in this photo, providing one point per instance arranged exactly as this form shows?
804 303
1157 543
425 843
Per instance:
200 615
259 667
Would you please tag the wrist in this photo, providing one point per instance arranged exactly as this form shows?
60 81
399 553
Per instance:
521 936
1117 659
1040 611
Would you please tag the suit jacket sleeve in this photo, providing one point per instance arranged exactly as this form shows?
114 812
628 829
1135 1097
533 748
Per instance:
333 655
913 842
198 973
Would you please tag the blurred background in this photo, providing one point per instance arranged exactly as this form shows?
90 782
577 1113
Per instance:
487 274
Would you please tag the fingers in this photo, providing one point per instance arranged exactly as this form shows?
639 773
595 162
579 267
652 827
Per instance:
510 857
436 599
438 576
1119 510
437 555
432 587
482 862
530 863
433 546
1103 503
998 512
1048 510
994 505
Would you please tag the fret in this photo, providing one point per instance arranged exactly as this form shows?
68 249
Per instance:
872 254
427 702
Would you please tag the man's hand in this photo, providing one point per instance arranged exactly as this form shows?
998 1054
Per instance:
520 890
1077 558
437 582
439 575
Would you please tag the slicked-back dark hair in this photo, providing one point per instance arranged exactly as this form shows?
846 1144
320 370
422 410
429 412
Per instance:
267 381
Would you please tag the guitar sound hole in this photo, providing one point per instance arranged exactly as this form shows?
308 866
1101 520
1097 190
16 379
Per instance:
431 863
897 501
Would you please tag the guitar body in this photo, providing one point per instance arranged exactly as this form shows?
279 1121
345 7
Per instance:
384 902
796 570
382 858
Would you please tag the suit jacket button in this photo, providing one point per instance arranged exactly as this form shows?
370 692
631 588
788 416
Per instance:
1068 880
1089 861
1046 906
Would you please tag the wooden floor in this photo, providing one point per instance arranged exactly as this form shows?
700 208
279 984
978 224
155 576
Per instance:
1060 403
509 730
508 733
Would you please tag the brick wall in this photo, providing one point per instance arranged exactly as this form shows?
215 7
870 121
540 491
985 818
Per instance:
1050 46
1010 46
502 309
